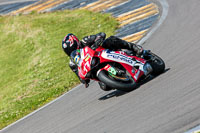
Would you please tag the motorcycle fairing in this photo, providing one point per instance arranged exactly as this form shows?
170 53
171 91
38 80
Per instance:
85 62
130 63
126 61
118 56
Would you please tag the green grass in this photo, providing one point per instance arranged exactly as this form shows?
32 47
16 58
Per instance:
33 67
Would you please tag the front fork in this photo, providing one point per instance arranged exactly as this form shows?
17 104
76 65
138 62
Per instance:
147 69
140 70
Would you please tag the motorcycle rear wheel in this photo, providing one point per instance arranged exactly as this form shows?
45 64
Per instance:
112 83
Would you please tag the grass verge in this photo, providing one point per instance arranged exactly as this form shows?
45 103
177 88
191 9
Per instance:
33 67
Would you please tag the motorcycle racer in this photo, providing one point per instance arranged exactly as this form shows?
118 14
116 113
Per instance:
71 46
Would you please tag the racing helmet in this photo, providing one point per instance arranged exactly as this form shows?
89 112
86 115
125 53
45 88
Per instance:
70 43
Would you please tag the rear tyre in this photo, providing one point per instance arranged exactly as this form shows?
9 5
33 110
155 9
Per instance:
157 64
112 83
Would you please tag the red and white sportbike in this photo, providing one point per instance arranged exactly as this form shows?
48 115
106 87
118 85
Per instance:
117 69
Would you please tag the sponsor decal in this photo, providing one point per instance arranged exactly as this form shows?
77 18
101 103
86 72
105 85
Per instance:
120 58
107 67
87 57
112 71
137 75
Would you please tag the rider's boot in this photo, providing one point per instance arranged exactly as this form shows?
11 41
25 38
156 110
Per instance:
136 48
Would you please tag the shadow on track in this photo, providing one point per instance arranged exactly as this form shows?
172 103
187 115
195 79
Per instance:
115 93
118 93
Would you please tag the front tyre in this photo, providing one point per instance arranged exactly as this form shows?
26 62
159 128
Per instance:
157 64
112 83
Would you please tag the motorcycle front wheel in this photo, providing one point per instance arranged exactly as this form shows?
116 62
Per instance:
157 64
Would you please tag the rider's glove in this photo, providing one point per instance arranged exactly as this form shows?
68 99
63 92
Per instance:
98 42
86 82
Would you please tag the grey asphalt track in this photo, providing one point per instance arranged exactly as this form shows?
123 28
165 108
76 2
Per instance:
166 104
